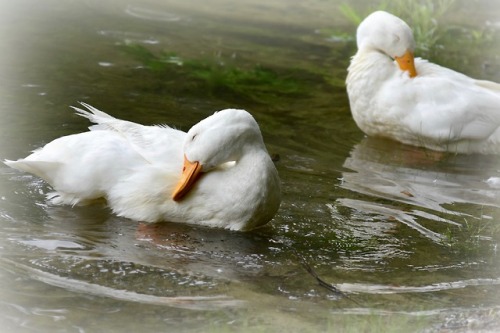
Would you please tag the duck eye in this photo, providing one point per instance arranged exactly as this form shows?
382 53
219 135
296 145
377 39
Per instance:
194 136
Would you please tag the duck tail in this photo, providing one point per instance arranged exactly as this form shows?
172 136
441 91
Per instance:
43 169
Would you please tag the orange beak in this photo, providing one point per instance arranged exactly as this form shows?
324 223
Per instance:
191 172
407 63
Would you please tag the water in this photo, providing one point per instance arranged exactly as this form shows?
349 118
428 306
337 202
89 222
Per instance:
409 236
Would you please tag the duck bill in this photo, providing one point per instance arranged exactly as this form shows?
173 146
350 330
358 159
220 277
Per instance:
407 63
191 172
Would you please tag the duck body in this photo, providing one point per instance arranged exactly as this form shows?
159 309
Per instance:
429 106
139 169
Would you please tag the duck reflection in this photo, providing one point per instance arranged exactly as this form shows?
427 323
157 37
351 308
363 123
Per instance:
194 251
215 253
87 249
414 186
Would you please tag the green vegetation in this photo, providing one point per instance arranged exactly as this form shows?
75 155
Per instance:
469 240
219 78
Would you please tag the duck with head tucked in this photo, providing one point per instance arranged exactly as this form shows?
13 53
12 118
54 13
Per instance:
416 102
218 174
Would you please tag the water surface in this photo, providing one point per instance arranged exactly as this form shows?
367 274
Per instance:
408 236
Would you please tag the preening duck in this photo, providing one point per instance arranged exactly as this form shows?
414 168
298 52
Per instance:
218 174
416 102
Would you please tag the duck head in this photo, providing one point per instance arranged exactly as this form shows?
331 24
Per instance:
221 138
390 35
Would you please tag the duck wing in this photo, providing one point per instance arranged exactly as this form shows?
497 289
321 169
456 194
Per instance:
159 143
445 106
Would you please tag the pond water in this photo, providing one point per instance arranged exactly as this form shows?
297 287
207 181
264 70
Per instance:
409 237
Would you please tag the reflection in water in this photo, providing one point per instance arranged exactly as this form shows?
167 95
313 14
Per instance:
385 212
426 179
430 185
377 219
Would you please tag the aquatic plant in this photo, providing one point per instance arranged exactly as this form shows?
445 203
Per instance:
257 82
421 15
222 78
469 240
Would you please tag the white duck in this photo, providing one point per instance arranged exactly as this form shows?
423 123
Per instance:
414 101
218 174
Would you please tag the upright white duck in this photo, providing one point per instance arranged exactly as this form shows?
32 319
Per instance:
414 101
218 174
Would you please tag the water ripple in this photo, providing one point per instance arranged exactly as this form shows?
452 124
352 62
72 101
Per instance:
184 302
387 289
151 14
51 244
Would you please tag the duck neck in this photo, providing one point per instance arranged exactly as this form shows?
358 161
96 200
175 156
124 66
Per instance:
252 157
370 67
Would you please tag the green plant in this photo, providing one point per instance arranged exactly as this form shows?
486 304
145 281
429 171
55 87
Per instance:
218 77
469 239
